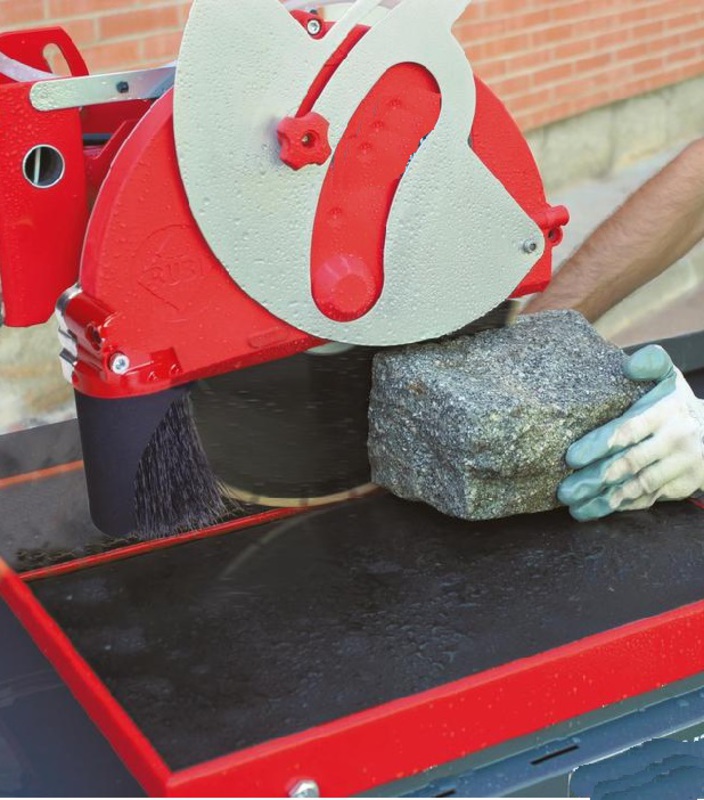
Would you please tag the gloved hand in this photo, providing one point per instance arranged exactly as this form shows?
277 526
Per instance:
655 451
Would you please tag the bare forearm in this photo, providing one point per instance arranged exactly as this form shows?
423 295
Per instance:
659 224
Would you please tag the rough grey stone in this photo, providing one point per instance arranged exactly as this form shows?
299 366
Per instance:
479 426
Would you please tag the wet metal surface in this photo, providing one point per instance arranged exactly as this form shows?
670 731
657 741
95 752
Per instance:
228 642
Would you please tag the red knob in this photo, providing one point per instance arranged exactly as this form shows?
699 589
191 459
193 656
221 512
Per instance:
344 288
304 140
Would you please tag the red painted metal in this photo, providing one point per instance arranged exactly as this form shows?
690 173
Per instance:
499 143
127 740
159 295
151 287
153 290
347 269
30 47
40 474
41 229
403 738
345 287
98 160
131 551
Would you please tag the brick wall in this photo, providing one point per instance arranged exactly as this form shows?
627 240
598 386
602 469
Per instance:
548 59
551 59
112 34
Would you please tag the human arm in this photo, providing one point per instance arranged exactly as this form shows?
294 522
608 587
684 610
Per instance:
656 226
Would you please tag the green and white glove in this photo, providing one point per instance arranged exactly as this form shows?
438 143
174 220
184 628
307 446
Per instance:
655 451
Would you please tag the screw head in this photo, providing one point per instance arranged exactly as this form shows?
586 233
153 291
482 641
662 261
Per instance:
530 246
306 788
314 26
119 364
122 87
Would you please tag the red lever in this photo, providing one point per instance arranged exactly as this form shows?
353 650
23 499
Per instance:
304 140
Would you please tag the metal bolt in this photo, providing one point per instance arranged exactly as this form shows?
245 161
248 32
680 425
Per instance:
123 87
314 27
119 364
530 246
307 788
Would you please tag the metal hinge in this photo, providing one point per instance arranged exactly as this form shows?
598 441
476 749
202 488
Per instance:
67 339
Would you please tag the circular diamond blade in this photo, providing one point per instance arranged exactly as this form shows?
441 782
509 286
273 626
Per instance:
289 433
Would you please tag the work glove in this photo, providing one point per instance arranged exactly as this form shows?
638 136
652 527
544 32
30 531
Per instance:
655 451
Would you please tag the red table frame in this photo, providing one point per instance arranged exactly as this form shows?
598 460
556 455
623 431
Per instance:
395 740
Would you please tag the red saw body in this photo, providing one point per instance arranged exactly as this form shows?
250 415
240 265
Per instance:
94 208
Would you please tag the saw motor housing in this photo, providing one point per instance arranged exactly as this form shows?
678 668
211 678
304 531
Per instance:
118 209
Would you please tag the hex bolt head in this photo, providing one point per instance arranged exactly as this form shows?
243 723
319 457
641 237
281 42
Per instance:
119 364
314 26
306 788
530 246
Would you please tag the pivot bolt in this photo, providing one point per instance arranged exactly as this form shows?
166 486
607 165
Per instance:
119 364
307 788
314 26
530 246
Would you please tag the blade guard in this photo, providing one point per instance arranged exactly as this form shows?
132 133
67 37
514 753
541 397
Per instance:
443 241
161 298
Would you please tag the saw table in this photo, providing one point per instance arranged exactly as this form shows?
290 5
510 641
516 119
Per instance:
352 183
351 646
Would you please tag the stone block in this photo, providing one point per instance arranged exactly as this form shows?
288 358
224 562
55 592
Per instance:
478 426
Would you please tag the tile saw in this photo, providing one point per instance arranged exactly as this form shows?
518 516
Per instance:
290 182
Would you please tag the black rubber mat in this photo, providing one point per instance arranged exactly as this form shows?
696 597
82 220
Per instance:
228 642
